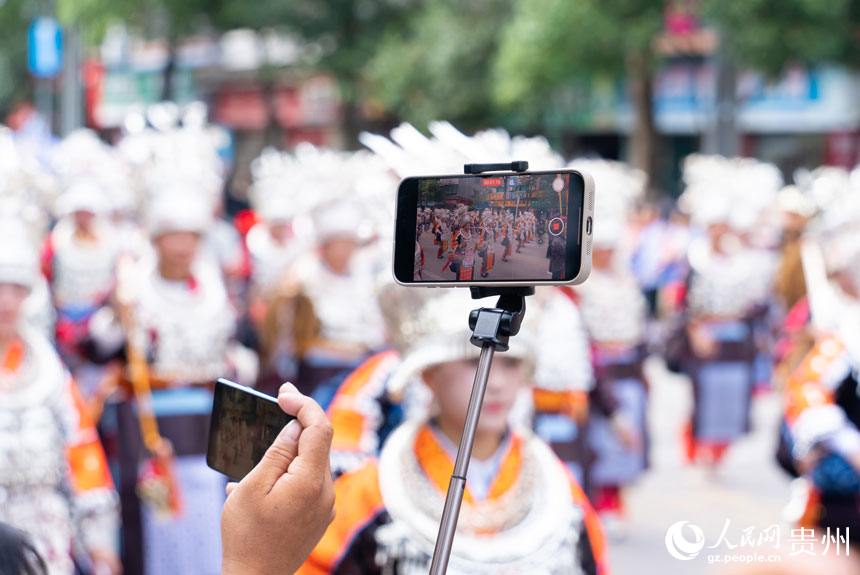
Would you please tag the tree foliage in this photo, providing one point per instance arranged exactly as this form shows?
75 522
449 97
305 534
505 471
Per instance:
767 34
478 62
15 18
151 18
548 43
346 33
440 64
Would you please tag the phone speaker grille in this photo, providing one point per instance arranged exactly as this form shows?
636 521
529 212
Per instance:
591 203
588 246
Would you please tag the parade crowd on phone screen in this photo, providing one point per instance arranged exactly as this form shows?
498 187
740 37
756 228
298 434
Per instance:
126 292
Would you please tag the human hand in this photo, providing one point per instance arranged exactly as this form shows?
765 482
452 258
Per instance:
703 344
275 516
626 432
105 562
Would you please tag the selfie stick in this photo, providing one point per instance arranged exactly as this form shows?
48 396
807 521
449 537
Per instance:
491 330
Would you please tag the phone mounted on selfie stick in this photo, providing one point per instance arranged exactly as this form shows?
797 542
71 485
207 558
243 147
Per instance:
492 329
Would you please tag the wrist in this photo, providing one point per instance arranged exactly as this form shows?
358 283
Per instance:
101 552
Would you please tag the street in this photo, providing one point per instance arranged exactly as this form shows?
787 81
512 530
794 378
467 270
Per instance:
531 263
749 489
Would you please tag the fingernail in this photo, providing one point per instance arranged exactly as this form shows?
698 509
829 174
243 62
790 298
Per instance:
291 432
287 387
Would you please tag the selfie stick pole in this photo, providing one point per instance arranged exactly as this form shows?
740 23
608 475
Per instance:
491 330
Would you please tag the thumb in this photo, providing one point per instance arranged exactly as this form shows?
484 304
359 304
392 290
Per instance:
278 457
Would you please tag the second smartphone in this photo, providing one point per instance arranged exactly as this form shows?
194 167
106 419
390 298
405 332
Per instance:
244 424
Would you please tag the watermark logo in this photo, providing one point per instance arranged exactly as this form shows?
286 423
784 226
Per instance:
679 546
745 547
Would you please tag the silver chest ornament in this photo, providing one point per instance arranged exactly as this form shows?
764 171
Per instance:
83 272
538 536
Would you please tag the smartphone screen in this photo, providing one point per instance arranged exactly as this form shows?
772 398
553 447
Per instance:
244 424
492 229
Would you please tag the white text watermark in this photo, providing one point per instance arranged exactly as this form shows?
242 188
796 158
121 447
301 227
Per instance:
685 541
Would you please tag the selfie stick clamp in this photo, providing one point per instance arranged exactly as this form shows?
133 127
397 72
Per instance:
492 329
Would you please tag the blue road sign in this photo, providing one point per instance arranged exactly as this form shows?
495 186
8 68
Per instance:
45 48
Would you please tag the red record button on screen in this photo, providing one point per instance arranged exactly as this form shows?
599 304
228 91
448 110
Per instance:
556 226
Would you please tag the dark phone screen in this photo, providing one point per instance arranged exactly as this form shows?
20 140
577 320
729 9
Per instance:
244 424
493 228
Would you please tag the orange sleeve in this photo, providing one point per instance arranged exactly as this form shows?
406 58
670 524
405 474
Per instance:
357 502
573 403
596 536
806 386
88 468
349 421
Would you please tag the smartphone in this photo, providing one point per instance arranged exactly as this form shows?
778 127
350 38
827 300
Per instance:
244 424
509 229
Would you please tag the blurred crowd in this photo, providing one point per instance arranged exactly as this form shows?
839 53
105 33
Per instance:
125 291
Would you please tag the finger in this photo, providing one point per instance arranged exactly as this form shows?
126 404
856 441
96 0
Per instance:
315 440
287 387
277 458
231 487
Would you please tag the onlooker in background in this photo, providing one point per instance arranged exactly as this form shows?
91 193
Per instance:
325 320
79 260
648 259
175 326
54 477
615 313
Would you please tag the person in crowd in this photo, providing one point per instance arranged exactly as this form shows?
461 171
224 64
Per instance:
520 233
365 408
614 311
173 325
418 262
557 253
507 235
793 338
79 261
673 280
648 255
485 246
795 210
564 377
463 246
522 512
722 300
272 244
822 411
273 248
54 478
438 234
720 344
314 327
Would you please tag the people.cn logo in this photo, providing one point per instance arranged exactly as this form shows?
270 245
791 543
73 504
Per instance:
678 545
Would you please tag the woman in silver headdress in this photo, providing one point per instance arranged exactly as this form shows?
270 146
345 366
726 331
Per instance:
54 481
523 512
175 325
